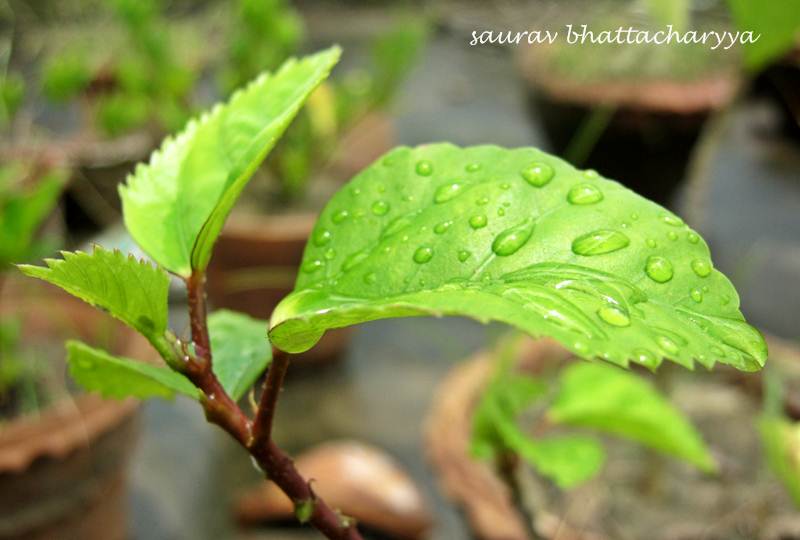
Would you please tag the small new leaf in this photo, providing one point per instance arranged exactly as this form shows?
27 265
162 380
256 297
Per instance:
131 290
522 237
176 205
606 398
241 350
113 377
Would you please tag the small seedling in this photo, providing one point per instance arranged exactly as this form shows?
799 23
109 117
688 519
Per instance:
517 236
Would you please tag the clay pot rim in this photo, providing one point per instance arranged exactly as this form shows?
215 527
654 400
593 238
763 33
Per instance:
658 95
70 424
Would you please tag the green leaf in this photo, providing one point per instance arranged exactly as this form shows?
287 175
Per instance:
113 377
23 211
175 206
606 398
780 439
776 25
567 460
241 350
131 290
522 237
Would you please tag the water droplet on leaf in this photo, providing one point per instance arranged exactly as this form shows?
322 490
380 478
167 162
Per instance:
312 265
701 268
667 344
463 255
599 242
658 269
380 208
511 240
582 194
441 228
674 221
424 168
538 173
614 315
473 167
354 259
340 216
322 237
447 192
696 294
478 221
370 278
423 255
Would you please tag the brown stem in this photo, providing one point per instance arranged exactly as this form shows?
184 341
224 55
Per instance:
256 437
262 426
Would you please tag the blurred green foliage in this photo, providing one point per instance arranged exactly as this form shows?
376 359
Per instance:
12 92
27 197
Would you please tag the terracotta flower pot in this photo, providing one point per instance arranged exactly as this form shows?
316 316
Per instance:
651 127
677 502
63 472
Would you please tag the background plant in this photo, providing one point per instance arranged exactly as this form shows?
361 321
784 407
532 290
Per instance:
517 236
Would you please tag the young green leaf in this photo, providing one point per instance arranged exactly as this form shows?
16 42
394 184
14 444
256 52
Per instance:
781 441
241 350
23 211
175 206
522 237
775 27
133 291
113 377
567 460
609 399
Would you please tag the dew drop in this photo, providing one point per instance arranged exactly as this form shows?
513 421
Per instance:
590 173
312 265
482 201
674 221
473 167
447 192
354 259
423 255
634 216
380 208
701 268
330 253
614 315
693 238
463 255
478 221
651 243
658 269
582 194
667 344
511 240
356 192
696 294
580 347
599 242
395 226
505 185
340 216
672 235
538 173
370 278
441 228
424 168
645 357
726 299
322 237
501 211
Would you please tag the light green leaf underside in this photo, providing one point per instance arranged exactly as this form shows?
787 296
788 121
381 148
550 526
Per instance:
113 377
240 348
603 397
131 290
175 205
384 247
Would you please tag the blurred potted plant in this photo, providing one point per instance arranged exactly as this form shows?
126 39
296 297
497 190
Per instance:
522 421
62 456
633 112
